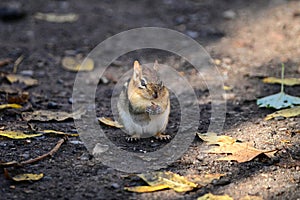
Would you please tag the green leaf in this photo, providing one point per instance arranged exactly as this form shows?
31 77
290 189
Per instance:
278 101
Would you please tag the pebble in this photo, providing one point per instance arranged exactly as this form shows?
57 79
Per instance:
192 34
26 72
229 14
70 100
180 20
104 80
52 105
115 185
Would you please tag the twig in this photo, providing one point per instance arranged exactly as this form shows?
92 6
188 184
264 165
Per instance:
30 161
17 63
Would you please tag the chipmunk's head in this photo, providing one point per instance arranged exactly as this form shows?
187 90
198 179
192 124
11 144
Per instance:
147 82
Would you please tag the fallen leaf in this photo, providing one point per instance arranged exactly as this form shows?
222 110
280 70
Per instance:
46 115
213 138
59 133
19 98
279 100
163 180
5 61
28 177
110 122
12 78
227 88
286 81
77 63
57 18
9 89
10 105
240 152
211 196
17 134
289 112
143 189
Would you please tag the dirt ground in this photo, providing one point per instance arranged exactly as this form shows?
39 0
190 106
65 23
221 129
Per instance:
248 40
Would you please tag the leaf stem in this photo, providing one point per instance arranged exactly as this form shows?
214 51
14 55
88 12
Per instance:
282 77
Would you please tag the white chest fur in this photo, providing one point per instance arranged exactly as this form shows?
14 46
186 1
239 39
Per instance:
150 127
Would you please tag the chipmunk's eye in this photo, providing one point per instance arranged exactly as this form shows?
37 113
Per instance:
143 83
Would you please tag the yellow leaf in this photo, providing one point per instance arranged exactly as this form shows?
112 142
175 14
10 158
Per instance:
77 64
11 105
289 112
241 152
110 122
163 180
12 78
227 88
59 133
58 18
17 134
143 189
210 196
46 115
28 177
285 81
213 138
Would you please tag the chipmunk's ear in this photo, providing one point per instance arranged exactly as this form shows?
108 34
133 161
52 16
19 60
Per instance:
137 71
156 65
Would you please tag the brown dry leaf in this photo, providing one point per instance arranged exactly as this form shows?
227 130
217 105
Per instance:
57 18
77 63
241 152
109 122
211 196
46 115
204 179
163 180
285 81
19 98
249 197
10 105
17 134
28 177
289 112
5 61
12 78
213 138
59 133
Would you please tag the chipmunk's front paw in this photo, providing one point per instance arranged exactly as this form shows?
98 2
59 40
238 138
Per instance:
133 138
161 136
154 109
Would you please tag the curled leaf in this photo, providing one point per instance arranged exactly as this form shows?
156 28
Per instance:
17 134
12 78
110 122
77 63
28 177
10 105
285 81
289 112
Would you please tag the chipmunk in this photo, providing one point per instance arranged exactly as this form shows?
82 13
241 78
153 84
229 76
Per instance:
144 104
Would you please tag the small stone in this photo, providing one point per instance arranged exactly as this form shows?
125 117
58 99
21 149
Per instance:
12 187
115 185
52 105
229 14
192 34
26 72
180 20
70 100
104 80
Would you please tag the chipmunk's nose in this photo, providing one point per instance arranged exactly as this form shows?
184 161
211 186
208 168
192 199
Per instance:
155 95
